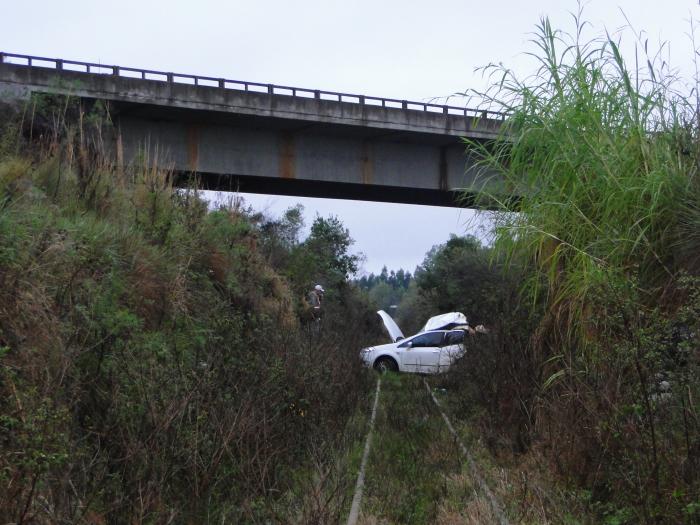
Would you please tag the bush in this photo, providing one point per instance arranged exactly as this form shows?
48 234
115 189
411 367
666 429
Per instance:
153 366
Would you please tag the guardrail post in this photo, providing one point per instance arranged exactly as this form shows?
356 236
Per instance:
444 110
317 94
484 114
169 76
2 57
362 100
115 71
59 65
404 104
270 89
222 83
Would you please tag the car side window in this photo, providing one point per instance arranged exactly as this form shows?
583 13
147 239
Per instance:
428 340
455 337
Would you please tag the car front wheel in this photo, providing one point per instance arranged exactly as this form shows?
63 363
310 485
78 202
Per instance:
385 364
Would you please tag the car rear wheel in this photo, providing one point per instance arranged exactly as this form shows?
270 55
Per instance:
385 364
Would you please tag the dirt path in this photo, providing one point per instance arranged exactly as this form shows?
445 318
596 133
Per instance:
417 471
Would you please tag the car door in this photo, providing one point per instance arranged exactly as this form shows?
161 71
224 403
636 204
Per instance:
452 349
422 353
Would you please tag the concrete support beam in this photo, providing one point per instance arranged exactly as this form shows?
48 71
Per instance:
270 143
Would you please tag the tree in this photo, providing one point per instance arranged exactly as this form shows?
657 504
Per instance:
280 236
400 279
459 276
324 256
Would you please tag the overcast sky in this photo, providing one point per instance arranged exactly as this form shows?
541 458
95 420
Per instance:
404 49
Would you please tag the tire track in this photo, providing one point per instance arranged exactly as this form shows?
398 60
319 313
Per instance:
496 507
359 486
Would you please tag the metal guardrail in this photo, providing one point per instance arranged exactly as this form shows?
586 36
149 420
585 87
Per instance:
240 85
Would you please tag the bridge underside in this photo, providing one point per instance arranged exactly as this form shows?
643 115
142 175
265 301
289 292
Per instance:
324 190
232 140
283 157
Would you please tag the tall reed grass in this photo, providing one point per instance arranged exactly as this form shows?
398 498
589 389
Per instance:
603 157
604 160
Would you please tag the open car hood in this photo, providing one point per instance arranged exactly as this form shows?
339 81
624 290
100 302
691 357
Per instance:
392 328
445 321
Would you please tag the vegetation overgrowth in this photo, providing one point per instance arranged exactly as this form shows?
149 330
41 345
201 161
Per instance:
417 473
158 362
458 275
596 367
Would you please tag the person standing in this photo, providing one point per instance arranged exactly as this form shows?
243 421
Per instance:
316 300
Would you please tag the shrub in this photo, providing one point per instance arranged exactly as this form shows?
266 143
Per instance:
603 160
152 363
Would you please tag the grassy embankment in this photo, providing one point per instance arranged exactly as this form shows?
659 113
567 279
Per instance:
154 362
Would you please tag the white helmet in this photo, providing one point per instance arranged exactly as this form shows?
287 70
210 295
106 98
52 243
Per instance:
319 288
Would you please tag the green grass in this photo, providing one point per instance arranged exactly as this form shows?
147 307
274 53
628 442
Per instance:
416 474
322 489
603 158
326 490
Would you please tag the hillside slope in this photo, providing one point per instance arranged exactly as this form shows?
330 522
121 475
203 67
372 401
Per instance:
154 365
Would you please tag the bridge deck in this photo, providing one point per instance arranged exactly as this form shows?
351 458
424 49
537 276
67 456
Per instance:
272 139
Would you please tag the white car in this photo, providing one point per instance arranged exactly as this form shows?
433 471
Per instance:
431 351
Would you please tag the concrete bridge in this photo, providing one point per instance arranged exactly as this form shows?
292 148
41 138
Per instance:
263 138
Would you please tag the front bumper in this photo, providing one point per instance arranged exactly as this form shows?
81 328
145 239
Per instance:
367 356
